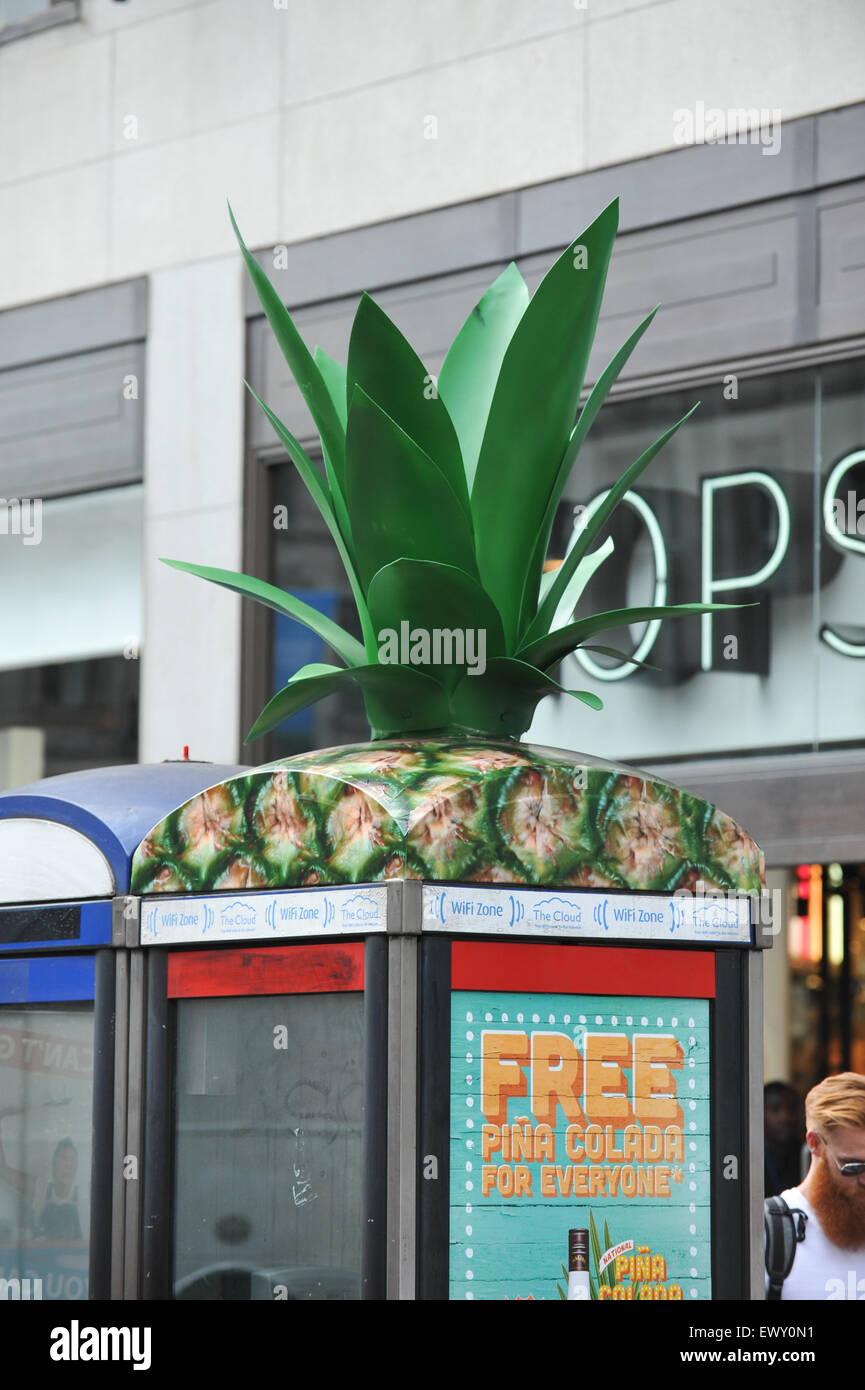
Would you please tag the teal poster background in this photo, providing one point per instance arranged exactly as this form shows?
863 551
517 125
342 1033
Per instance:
641 1065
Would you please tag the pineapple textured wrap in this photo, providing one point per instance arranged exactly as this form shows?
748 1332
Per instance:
441 497
446 811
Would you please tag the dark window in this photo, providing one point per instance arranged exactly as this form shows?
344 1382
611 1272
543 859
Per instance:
88 710
304 561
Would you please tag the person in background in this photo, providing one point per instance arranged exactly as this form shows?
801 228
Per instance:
60 1219
829 1263
784 1137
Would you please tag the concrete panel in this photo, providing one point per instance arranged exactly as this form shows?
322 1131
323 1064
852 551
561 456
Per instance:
22 757
346 45
42 255
102 18
440 136
195 70
195 394
193 512
191 639
646 64
169 203
54 104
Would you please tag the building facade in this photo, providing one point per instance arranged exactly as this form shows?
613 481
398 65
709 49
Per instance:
413 155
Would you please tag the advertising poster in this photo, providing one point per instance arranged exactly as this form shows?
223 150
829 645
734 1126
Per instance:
579 1112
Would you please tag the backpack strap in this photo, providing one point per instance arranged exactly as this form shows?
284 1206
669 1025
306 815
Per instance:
783 1234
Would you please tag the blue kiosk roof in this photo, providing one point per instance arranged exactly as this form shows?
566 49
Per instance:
114 807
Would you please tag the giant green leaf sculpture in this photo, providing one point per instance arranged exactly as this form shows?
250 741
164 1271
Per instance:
441 497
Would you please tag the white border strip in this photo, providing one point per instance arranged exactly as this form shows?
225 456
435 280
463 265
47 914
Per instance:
722 919
264 916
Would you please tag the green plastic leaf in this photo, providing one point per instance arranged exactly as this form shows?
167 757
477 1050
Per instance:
317 490
315 668
532 415
429 598
614 652
336 637
596 398
588 533
550 649
389 371
398 698
333 375
400 503
505 696
471 368
578 581
299 359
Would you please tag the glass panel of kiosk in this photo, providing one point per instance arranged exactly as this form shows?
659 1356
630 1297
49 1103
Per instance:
269 1108
46 1122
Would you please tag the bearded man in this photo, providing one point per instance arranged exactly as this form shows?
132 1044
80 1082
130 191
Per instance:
830 1261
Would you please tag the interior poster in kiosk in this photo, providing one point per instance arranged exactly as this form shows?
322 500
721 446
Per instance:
46 1100
579 1112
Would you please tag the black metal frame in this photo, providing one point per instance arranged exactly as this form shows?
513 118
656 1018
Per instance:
433 1092
102 1162
373 1260
157 1156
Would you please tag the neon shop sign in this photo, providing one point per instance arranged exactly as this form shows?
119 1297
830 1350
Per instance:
713 545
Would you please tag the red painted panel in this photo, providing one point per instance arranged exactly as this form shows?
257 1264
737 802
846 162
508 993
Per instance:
581 969
266 970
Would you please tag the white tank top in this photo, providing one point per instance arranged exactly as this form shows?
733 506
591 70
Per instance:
821 1270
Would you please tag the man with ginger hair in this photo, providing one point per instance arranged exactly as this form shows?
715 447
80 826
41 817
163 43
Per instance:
830 1262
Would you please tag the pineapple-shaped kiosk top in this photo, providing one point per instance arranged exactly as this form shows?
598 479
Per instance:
440 496
448 811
